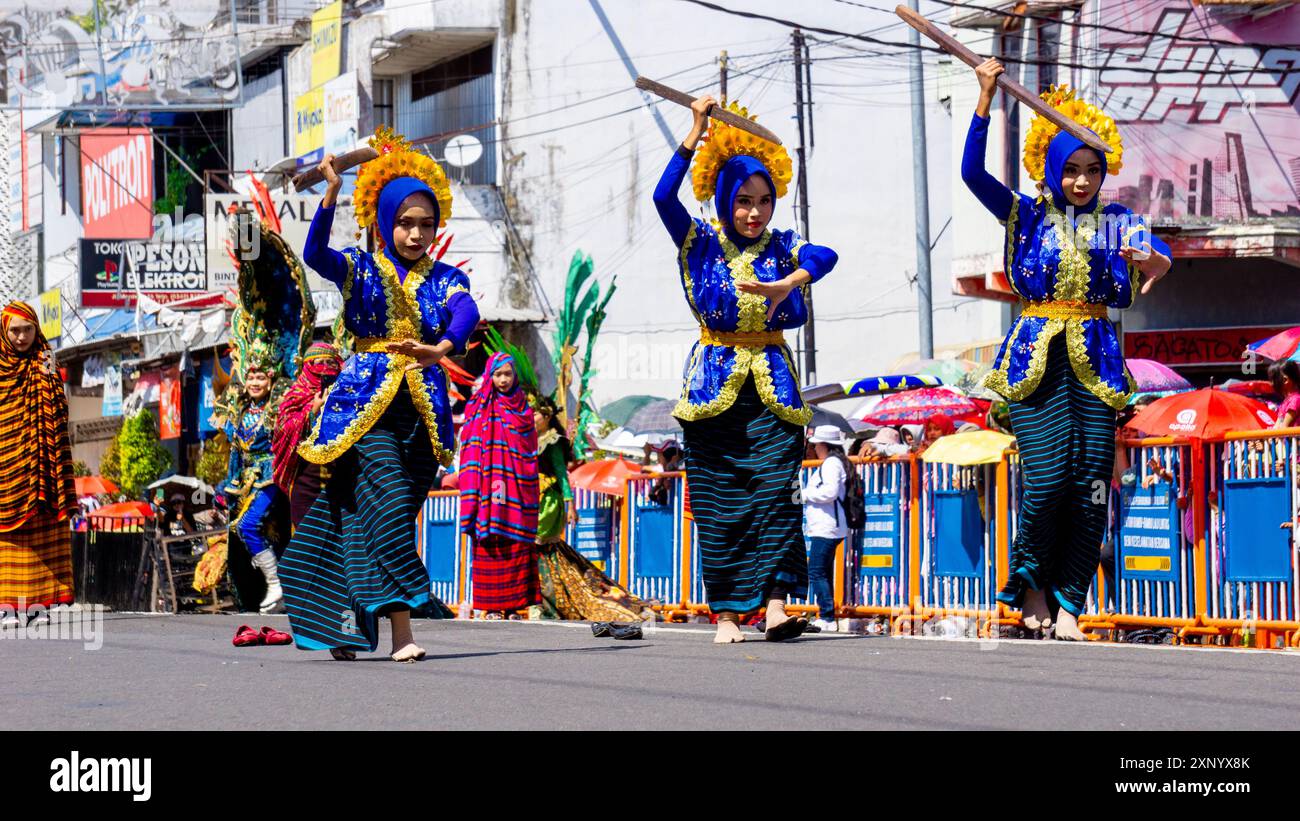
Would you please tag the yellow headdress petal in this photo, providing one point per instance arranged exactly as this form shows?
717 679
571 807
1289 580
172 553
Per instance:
724 142
397 159
1041 131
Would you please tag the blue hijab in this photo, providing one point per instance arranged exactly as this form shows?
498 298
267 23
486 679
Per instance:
392 196
1058 151
731 177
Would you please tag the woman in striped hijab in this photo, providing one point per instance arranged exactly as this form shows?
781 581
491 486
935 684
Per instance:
36 489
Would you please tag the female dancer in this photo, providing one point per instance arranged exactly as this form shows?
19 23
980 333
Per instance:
1060 365
299 479
740 407
353 556
36 487
249 483
498 490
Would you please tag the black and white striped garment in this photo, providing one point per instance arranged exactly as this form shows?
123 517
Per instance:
1066 437
742 471
353 557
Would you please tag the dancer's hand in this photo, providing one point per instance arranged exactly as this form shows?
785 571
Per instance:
424 355
987 73
1152 264
775 292
318 402
572 512
700 108
332 180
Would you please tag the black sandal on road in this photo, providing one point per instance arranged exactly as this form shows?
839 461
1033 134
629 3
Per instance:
343 654
601 629
791 628
626 632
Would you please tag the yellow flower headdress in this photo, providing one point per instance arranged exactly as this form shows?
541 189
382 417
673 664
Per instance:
1041 131
724 142
397 159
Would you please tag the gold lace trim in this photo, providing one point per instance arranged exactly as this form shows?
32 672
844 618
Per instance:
1009 261
1073 272
685 266
996 380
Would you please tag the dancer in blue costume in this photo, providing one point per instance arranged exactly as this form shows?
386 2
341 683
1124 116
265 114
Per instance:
1061 367
740 408
353 557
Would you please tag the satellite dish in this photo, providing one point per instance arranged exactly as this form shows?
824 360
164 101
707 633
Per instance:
463 150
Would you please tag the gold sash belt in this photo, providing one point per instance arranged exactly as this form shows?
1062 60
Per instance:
1063 310
754 339
373 344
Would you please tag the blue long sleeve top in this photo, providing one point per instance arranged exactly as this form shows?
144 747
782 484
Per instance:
382 302
1067 273
711 260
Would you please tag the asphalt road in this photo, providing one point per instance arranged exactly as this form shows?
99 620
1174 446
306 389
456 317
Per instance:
181 672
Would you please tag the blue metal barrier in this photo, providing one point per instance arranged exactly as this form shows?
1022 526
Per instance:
438 540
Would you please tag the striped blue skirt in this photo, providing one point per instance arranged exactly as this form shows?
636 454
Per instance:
1066 437
742 468
353 558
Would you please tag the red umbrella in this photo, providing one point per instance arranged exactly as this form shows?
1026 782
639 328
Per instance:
1204 414
124 510
916 406
93 485
605 476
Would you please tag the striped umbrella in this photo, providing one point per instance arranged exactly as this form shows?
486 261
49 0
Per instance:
1278 347
655 417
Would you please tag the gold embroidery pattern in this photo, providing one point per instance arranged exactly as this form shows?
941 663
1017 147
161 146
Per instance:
1009 260
1078 346
1073 270
794 252
767 388
453 289
753 308
1132 266
420 396
363 422
997 380
1063 310
690 412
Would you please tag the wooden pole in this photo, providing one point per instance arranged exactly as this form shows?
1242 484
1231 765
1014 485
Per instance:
716 112
1024 95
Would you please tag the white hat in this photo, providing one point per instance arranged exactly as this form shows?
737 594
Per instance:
828 434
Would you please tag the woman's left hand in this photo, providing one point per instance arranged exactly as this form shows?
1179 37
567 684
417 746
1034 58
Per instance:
424 355
572 512
774 292
1152 264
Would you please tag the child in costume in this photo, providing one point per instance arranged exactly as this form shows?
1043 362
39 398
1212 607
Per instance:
353 557
1060 366
741 411
498 487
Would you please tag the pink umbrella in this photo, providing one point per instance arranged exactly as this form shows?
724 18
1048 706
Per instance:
916 406
1152 376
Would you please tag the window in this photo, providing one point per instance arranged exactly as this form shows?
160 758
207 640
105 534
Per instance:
382 97
477 63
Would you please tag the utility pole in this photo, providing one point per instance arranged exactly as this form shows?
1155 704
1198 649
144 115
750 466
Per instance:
809 330
722 76
921 188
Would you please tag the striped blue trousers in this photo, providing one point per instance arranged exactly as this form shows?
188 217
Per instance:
1066 437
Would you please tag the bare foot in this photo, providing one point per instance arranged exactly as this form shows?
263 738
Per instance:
776 615
728 632
1034 612
1067 627
408 654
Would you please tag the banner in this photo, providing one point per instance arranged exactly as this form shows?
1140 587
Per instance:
207 398
112 404
1207 104
1198 346
326 44
52 314
309 122
169 408
164 271
117 183
341 112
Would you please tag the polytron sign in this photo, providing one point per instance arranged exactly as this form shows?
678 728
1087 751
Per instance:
117 184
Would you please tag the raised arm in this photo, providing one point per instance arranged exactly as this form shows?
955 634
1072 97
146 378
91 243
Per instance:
991 193
317 253
817 260
463 320
672 213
